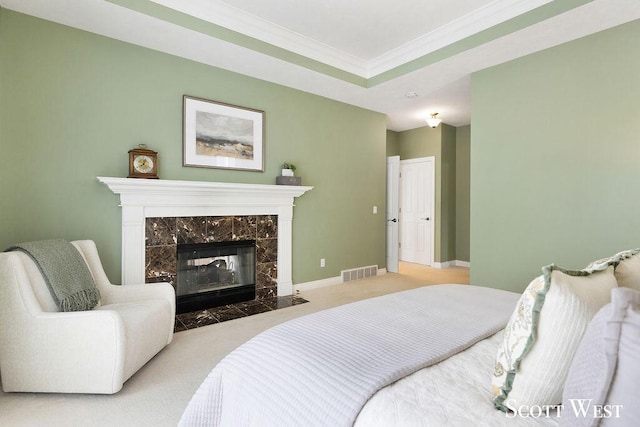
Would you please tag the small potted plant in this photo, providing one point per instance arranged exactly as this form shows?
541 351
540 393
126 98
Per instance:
287 177
288 169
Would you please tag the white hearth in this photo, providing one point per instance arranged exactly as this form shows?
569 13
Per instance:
149 198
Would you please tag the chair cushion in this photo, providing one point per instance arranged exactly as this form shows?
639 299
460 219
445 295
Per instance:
145 334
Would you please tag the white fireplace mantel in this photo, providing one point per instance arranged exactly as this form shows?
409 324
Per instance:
149 198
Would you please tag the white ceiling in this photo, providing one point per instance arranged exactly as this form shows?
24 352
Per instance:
365 29
364 38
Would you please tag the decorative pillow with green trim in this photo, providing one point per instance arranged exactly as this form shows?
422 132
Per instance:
630 258
543 334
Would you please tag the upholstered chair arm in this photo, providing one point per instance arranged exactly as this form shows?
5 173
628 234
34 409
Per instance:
117 294
61 352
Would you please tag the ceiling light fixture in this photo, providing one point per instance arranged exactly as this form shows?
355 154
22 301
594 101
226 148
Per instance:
411 94
434 121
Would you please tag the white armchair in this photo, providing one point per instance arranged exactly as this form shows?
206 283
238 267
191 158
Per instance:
94 351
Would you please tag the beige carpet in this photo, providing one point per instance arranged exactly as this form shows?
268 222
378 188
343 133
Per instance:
159 392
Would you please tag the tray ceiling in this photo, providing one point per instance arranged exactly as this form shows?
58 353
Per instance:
369 53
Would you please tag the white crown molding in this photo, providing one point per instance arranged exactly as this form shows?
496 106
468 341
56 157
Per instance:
481 19
238 20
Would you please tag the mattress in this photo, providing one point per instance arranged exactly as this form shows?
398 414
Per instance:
454 392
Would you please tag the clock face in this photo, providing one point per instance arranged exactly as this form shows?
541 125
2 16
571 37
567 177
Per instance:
143 164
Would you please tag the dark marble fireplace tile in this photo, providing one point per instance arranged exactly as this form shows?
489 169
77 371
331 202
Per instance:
233 311
227 312
160 261
267 250
179 326
283 302
244 228
267 227
267 274
266 292
163 235
192 229
298 300
196 319
273 303
252 307
160 231
219 229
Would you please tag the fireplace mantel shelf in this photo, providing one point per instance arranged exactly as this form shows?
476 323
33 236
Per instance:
148 198
172 192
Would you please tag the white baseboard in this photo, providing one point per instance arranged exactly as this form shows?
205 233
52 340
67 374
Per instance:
317 284
325 282
445 264
454 263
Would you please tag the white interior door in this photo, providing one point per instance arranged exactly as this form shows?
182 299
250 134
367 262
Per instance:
393 189
417 198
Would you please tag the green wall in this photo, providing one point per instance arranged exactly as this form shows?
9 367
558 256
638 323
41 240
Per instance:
555 156
463 182
393 143
448 194
73 103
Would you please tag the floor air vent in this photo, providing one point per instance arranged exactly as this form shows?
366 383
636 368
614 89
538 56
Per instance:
359 273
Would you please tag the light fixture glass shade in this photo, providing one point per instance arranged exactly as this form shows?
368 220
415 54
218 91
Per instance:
434 121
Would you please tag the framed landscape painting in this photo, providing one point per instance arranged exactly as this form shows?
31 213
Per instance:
217 135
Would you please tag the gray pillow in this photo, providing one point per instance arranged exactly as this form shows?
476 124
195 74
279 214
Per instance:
603 383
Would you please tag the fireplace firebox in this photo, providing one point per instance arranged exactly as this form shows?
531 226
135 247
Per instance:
214 274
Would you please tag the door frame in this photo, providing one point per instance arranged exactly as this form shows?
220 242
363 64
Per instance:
432 160
393 193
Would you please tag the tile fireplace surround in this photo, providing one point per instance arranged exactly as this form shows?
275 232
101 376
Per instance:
147 202
163 235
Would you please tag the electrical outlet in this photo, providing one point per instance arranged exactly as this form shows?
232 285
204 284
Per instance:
322 262
375 210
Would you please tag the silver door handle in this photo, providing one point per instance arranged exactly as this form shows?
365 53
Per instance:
392 220
426 219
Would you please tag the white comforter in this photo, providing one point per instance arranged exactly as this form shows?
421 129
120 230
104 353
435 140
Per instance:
454 393
320 369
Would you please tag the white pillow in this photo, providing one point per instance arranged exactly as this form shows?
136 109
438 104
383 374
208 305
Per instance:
628 271
605 372
543 334
627 267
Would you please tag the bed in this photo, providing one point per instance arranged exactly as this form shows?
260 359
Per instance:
438 355
350 364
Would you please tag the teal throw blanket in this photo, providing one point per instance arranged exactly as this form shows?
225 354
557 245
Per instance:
65 272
